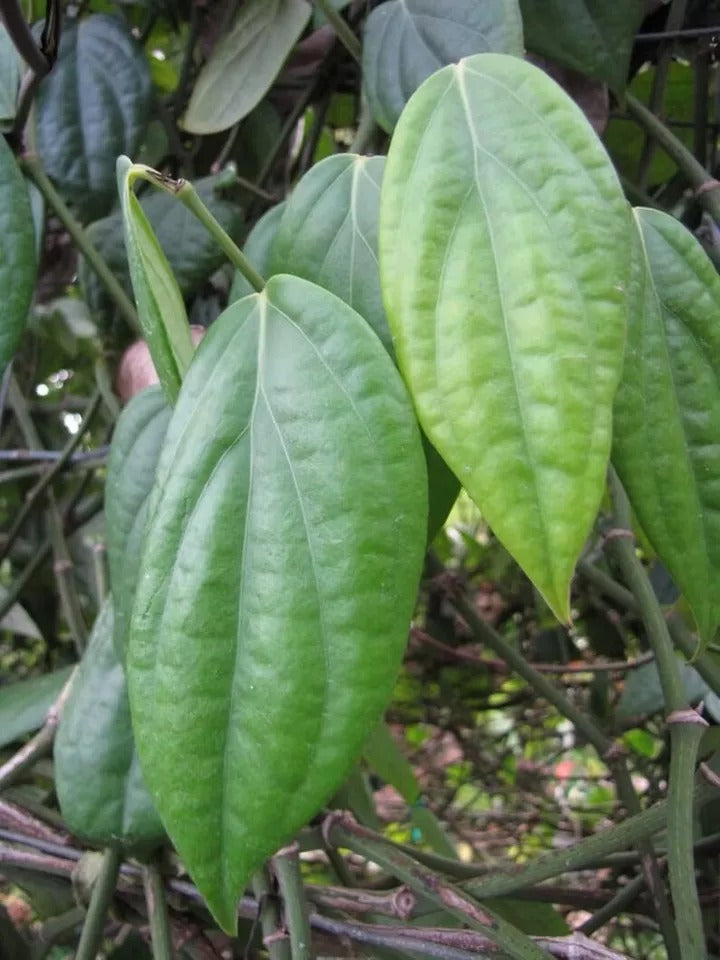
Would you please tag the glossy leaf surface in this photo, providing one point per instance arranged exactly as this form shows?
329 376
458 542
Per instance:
100 788
134 454
329 234
258 250
160 305
408 40
18 265
93 106
593 37
504 275
189 248
244 63
281 564
667 410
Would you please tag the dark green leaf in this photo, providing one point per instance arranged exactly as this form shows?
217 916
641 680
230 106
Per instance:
160 306
642 694
408 40
100 788
667 410
592 36
286 534
18 265
244 63
190 250
24 705
258 249
92 107
384 757
134 454
504 277
328 234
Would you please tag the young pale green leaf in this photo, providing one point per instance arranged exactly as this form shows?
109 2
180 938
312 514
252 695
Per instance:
284 545
100 788
24 705
667 409
408 40
245 63
592 36
160 306
258 250
329 234
504 276
18 264
92 106
191 252
134 454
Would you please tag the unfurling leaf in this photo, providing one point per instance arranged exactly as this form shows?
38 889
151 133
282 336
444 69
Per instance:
285 537
160 306
504 275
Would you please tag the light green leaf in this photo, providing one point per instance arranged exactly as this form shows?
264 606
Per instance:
133 459
408 40
504 275
24 705
160 305
100 788
191 251
329 234
281 564
93 105
10 70
258 249
667 410
18 264
245 63
592 36
384 758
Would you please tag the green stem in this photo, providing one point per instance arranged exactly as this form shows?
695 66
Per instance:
451 899
344 34
619 904
192 201
161 939
92 931
31 165
275 941
367 128
657 93
686 731
707 191
287 870
686 728
621 549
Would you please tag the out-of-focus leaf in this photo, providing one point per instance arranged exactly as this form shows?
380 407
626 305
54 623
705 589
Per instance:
592 36
18 262
642 694
244 63
24 704
10 70
92 107
18 620
407 40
